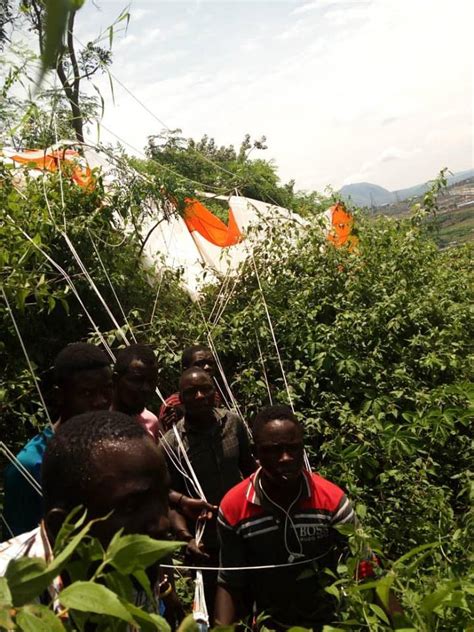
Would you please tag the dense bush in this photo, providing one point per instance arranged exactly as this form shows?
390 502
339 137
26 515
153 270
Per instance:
374 344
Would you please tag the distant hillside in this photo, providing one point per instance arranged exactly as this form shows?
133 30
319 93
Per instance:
367 194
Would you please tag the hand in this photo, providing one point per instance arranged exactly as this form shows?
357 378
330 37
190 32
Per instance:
197 551
194 508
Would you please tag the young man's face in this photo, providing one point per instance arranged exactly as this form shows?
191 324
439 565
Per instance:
204 360
197 393
280 451
135 388
131 481
86 391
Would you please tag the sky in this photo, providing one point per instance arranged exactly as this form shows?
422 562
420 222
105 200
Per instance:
345 91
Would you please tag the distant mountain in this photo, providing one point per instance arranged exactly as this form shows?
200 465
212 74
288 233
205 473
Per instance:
367 194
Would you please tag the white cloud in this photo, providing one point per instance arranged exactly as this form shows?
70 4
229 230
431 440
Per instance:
308 7
353 89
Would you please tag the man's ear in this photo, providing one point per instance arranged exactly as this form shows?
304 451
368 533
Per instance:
53 521
115 378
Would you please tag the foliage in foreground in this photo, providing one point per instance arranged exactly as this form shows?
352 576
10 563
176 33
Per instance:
101 586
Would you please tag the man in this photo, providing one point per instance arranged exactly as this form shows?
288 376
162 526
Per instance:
281 515
135 382
83 379
197 356
218 447
107 463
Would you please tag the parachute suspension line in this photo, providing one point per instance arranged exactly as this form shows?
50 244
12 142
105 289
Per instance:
262 362
94 287
167 243
200 611
27 357
4 520
272 331
212 346
122 311
221 292
61 185
222 394
21 468
73 288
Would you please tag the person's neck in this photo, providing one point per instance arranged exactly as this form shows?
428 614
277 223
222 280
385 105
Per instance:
122 408
282 495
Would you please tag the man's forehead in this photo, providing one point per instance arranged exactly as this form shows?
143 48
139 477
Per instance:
280 430
90 376
202 355
196 378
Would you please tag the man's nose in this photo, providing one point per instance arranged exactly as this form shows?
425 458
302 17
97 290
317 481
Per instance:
285 457
101 402
199 394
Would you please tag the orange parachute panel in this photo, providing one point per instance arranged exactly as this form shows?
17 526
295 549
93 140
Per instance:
200 219
50 160
342 223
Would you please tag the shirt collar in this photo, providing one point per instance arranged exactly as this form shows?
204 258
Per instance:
253 494
220 415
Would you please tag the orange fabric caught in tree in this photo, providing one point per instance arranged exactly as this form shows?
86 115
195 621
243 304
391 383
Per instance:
200 219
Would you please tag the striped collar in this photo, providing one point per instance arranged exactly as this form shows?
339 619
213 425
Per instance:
253 495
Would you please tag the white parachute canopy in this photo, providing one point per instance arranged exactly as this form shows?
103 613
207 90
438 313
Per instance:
171 243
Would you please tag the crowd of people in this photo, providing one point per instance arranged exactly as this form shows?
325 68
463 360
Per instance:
270 524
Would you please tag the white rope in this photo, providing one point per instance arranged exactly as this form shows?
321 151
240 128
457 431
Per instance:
94 287
4 520
183 452
70 283
122 311
249 568
272 331
27 357
265 377
21 468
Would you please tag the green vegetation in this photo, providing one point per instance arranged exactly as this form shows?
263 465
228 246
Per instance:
375 347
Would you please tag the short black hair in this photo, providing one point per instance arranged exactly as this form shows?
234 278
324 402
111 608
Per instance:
270 413
68 464
187 356
76 357
125 357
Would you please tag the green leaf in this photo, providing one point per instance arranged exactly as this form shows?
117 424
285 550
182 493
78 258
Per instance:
5 594
28 577
188 624
90 597
57 15
379 612
383 588
131 553
147 620
412 552
430 602
38 618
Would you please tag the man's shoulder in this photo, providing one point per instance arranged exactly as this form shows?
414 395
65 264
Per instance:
170 435
236 504
173 400
32 452
326 494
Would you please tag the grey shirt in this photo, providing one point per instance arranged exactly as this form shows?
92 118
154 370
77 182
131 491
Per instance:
220 455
